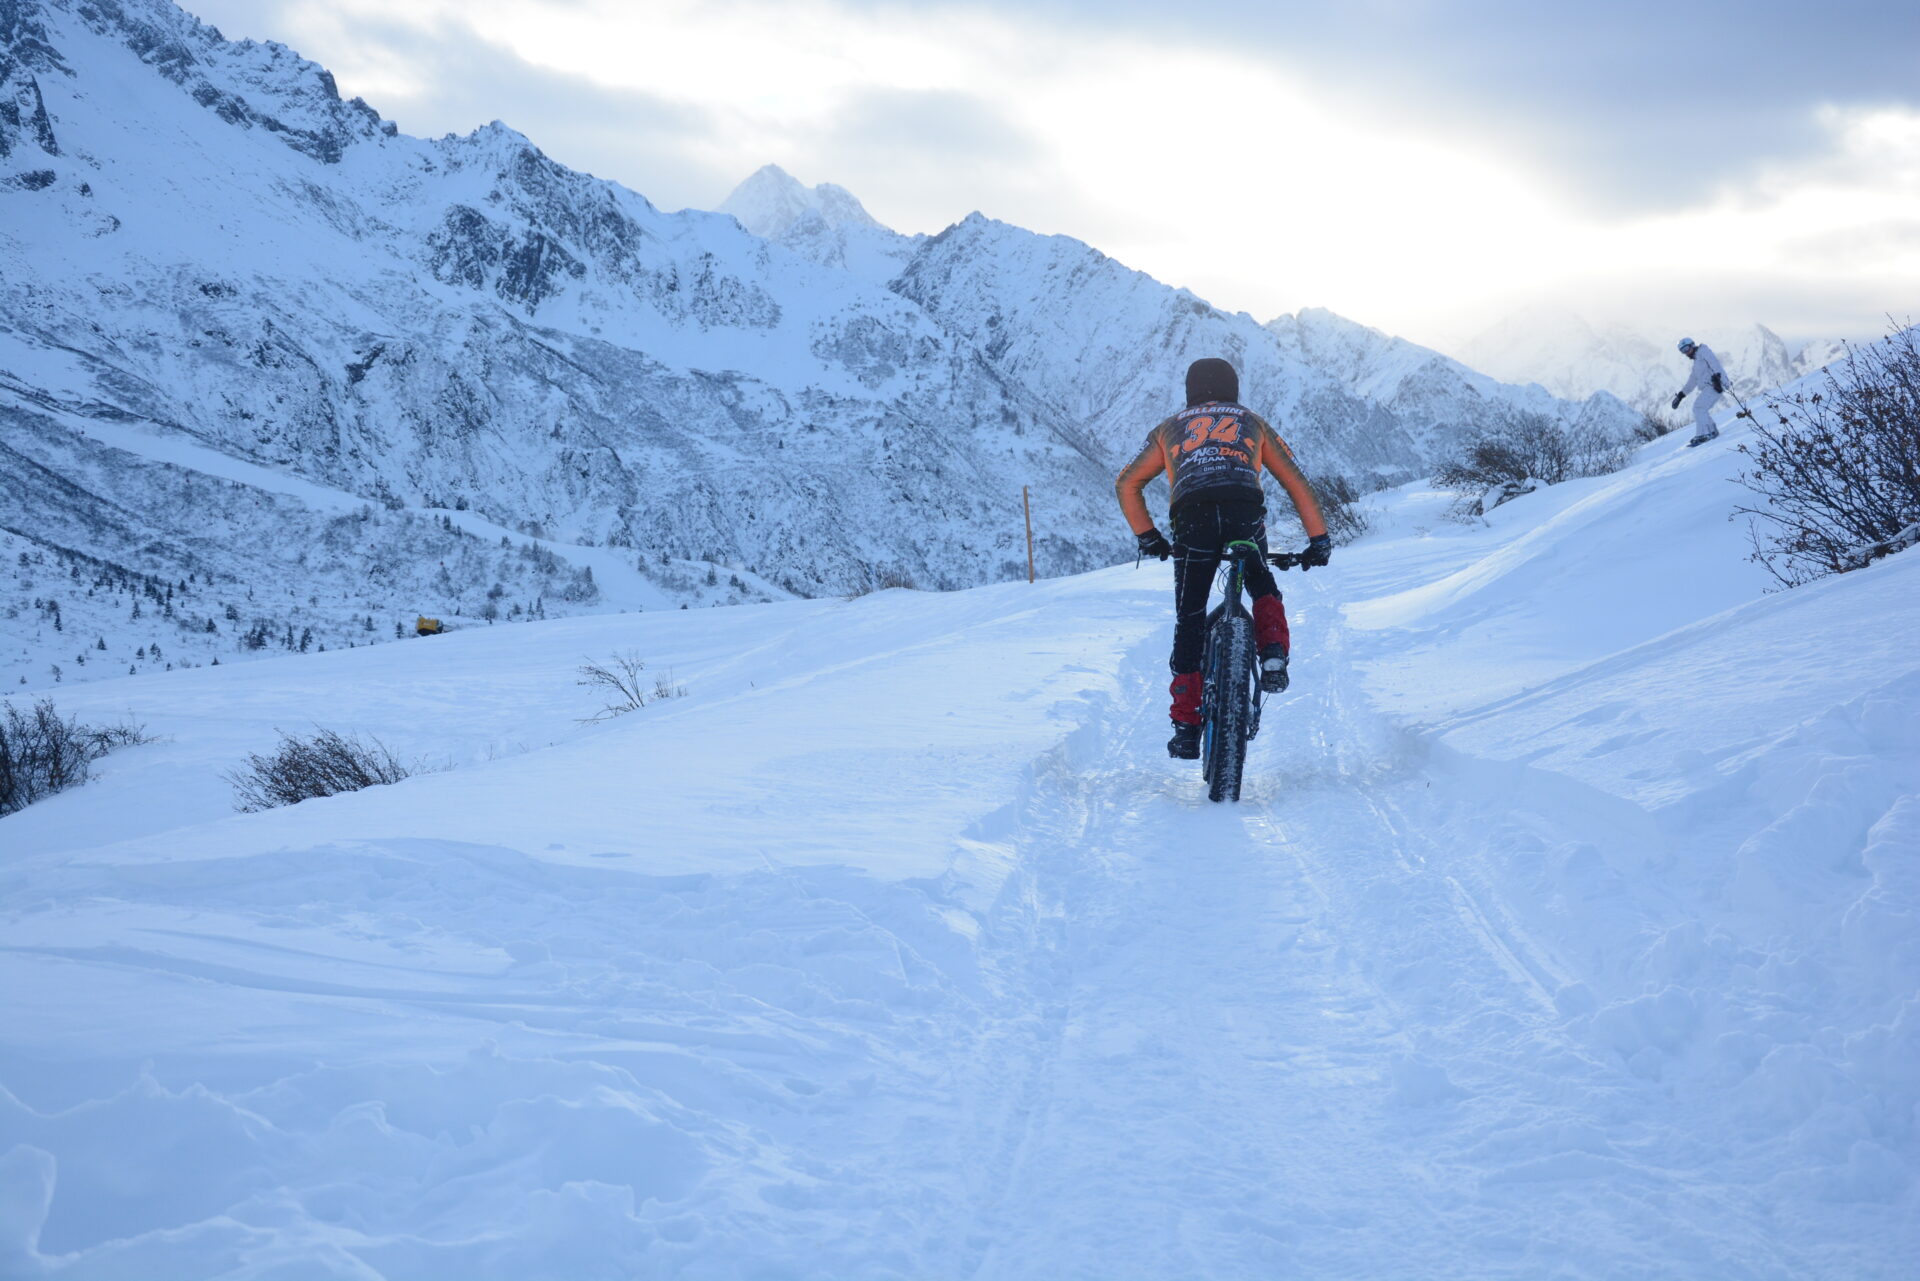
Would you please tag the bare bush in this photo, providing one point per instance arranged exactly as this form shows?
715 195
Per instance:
880 578
1838 470
42 753
1653 424
1595 453
1339 501
325 764
1525 452
622 687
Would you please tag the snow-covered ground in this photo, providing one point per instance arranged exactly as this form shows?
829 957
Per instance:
1567 930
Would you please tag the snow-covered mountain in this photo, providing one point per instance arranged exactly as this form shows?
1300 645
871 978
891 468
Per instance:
825 223
1087 333
1100 341
1573 357
310 374
1421 385
206 248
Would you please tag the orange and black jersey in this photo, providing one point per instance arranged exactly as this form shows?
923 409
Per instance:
1216 450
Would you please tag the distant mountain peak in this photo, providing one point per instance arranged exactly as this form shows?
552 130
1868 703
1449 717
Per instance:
771 201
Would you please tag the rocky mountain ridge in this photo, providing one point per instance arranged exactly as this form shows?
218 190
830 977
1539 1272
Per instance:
216 268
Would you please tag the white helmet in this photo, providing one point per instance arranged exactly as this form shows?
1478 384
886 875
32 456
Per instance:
1688 344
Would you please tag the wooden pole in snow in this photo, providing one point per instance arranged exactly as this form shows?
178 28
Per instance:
1026 504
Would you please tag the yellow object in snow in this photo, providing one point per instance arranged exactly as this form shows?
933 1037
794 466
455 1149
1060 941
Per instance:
424 626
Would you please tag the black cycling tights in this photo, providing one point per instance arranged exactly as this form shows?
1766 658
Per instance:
1201 532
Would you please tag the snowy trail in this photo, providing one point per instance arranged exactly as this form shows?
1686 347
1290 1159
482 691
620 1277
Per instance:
898 948
1251 1011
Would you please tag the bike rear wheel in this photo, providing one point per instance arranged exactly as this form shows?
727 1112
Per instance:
1229 691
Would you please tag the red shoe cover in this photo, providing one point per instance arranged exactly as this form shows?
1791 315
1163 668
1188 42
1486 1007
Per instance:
1186 698
1270 623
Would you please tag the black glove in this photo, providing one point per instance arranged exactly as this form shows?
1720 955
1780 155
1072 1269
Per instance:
1678 396
1153 543
1319 551
1718 386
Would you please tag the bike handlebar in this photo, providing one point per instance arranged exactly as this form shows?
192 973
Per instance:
1288 560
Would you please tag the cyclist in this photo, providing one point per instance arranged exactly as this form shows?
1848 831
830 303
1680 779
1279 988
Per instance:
1212 452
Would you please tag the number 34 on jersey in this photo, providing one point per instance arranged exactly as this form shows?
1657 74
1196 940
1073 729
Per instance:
1224 429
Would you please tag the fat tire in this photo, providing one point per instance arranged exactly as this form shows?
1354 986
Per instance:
1229 691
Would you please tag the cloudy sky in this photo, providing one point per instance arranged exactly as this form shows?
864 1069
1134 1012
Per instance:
1421 165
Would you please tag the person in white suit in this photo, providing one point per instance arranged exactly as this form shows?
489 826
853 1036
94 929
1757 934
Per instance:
1709 378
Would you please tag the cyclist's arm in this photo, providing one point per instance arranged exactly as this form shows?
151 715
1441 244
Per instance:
1133 483
1279 460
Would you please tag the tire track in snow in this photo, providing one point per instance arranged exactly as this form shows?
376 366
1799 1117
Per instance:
1170 1090
1301 1037
1550 1149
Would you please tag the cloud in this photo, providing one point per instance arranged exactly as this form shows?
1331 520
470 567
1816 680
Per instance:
914 126
931 155
1630 103
1414 164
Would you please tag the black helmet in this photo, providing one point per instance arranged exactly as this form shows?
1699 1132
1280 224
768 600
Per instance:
1212 379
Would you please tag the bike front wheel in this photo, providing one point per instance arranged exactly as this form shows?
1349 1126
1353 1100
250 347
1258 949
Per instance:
1229 693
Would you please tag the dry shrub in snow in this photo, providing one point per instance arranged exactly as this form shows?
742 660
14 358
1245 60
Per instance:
1340 504
1653 424
42 753
880 578
1838 470
324 764
1524 453
623 686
